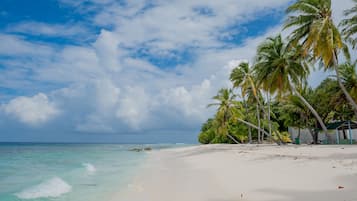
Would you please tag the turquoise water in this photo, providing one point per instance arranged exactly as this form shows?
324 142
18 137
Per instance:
65 172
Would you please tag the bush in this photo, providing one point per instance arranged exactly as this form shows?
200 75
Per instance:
284 136
206 137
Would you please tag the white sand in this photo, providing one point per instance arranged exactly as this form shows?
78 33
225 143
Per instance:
247 172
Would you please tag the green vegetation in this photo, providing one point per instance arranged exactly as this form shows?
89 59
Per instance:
349 25
272 93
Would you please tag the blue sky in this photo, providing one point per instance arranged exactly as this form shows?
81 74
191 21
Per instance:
123 71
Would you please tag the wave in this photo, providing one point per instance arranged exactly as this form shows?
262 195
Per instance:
54 187
90 168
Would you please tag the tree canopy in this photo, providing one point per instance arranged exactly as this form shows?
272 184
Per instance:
274 92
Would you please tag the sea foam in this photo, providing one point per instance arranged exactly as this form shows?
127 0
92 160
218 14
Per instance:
90 168
54 187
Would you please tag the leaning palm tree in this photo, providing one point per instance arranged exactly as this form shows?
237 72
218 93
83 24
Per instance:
295 113
279 68
315 30
349 77
226 110
229 110
349 25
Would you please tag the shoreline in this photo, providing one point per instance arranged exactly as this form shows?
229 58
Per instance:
246 172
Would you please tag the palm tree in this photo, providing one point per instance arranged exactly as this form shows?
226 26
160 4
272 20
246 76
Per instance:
279 68
349 77
226 110
242 78
350 25
318 35
246 113
295 113
269 111
229 110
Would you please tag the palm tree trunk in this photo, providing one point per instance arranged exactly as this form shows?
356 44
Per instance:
317 116
269 110
249 129
250 134
314 138
232 138
262 125
258 118
258 128
258 115
348 96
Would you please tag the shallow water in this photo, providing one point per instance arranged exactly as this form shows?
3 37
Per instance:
65 172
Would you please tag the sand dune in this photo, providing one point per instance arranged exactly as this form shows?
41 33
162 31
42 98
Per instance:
246 172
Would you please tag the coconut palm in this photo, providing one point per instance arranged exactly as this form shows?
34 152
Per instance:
279 68
349 77
246 113
226 110
295 113
242 77
229 110
315 30
349 25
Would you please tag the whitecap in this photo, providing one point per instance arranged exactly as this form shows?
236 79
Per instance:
90 168
54 187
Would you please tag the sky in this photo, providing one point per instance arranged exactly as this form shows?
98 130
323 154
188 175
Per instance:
123 71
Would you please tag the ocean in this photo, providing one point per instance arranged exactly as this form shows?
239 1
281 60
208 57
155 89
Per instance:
66 172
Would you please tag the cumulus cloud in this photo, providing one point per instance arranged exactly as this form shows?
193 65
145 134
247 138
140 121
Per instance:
166 26
11 45
134 107
33 110
94 124
116 82
106 47
44 29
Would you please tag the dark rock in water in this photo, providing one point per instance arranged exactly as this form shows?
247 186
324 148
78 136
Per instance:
141 149
136 149
93 185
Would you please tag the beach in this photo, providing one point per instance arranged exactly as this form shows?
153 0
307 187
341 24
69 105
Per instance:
246 172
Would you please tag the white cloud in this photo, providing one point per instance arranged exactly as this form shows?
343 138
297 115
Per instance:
11 45
339 6
134 107
106 95
175 25
33 110
106 87
44 29
71 64
94 124
162 25
106 47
